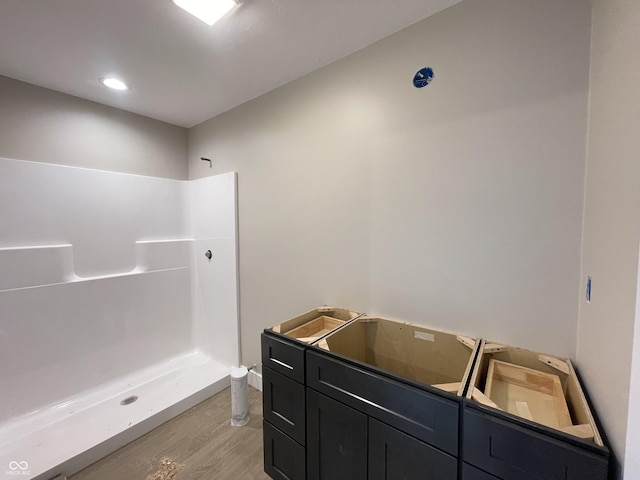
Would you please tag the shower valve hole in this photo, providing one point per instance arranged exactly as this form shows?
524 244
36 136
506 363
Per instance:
129 400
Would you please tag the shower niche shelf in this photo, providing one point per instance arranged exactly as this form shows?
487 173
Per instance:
35 265
47 265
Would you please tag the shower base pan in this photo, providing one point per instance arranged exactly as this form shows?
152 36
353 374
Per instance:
63 439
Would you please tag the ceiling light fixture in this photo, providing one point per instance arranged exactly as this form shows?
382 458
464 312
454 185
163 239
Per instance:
209 11
114 83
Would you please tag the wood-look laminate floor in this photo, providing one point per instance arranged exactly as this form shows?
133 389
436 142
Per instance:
202 440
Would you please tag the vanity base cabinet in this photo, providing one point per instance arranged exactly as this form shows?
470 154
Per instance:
333 417
429 417
512 452
283 406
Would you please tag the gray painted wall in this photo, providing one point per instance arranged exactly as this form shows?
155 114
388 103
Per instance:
612 219
458 205
41 125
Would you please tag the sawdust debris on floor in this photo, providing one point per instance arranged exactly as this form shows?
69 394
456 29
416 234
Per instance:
168 470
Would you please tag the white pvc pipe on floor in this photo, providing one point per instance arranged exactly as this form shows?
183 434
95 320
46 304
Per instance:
239 396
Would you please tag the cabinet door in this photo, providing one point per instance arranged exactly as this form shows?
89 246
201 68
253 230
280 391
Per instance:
284 459
394 455
284 404
336 440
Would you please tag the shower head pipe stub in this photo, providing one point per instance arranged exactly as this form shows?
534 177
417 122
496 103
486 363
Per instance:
205 159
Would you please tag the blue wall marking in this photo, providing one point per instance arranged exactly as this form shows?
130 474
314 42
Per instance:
423 77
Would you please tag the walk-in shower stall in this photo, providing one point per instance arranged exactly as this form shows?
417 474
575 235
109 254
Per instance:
118 308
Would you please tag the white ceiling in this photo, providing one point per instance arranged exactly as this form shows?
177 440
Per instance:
181 70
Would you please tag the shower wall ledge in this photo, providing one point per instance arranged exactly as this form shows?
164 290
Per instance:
46 265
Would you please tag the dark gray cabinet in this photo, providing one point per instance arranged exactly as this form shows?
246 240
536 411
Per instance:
393 430
508 444
427 416
284 408
512 452
329 417
345 422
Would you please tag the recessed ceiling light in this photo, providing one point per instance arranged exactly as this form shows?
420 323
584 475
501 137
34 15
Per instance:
114 83
209 11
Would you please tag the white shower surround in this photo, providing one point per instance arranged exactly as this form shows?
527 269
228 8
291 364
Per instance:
105 292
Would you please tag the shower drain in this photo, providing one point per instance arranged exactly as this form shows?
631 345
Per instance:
129 400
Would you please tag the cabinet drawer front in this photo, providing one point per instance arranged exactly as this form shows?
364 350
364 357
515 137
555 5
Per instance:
283 357
512 452
336 440
284 459
394 455
284 404
426 416
472 473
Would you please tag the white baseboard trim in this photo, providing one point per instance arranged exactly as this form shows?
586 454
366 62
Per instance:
255 379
